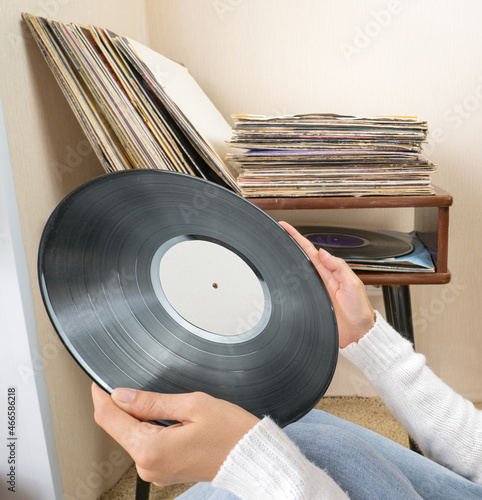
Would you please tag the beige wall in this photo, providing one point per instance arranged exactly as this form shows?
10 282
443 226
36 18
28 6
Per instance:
270 57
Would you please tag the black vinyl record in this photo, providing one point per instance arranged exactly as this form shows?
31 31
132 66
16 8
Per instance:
165 282
351 243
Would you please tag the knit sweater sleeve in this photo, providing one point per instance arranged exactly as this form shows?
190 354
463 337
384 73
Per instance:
447 427
267 465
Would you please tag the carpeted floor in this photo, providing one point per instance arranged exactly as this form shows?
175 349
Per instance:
367 412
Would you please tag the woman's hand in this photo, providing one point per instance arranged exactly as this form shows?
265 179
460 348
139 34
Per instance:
192 450
354 313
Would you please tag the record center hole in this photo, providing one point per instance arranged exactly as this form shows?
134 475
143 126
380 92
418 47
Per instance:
215 285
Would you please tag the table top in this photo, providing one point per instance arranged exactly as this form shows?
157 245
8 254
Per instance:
440 199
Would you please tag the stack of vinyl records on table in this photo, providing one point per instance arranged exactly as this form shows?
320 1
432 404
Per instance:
330 155
140 109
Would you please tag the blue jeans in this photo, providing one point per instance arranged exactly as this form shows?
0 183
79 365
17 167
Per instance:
367 466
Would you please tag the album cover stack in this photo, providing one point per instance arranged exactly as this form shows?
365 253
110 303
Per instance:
141 110
330 155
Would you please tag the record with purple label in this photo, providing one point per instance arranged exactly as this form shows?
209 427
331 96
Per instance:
352 243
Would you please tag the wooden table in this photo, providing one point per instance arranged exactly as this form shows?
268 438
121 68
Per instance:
431 223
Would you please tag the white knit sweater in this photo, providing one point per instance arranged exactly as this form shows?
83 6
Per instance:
265 464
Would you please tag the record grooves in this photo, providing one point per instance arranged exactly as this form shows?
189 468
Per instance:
165 282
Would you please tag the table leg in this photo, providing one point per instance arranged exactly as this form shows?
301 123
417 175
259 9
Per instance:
398 309
142 489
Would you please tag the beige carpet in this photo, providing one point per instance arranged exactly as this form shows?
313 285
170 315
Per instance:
367 412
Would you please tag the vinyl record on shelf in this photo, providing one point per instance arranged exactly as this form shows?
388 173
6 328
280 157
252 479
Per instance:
166 282
351 243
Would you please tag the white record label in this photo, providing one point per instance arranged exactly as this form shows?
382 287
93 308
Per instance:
211 287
